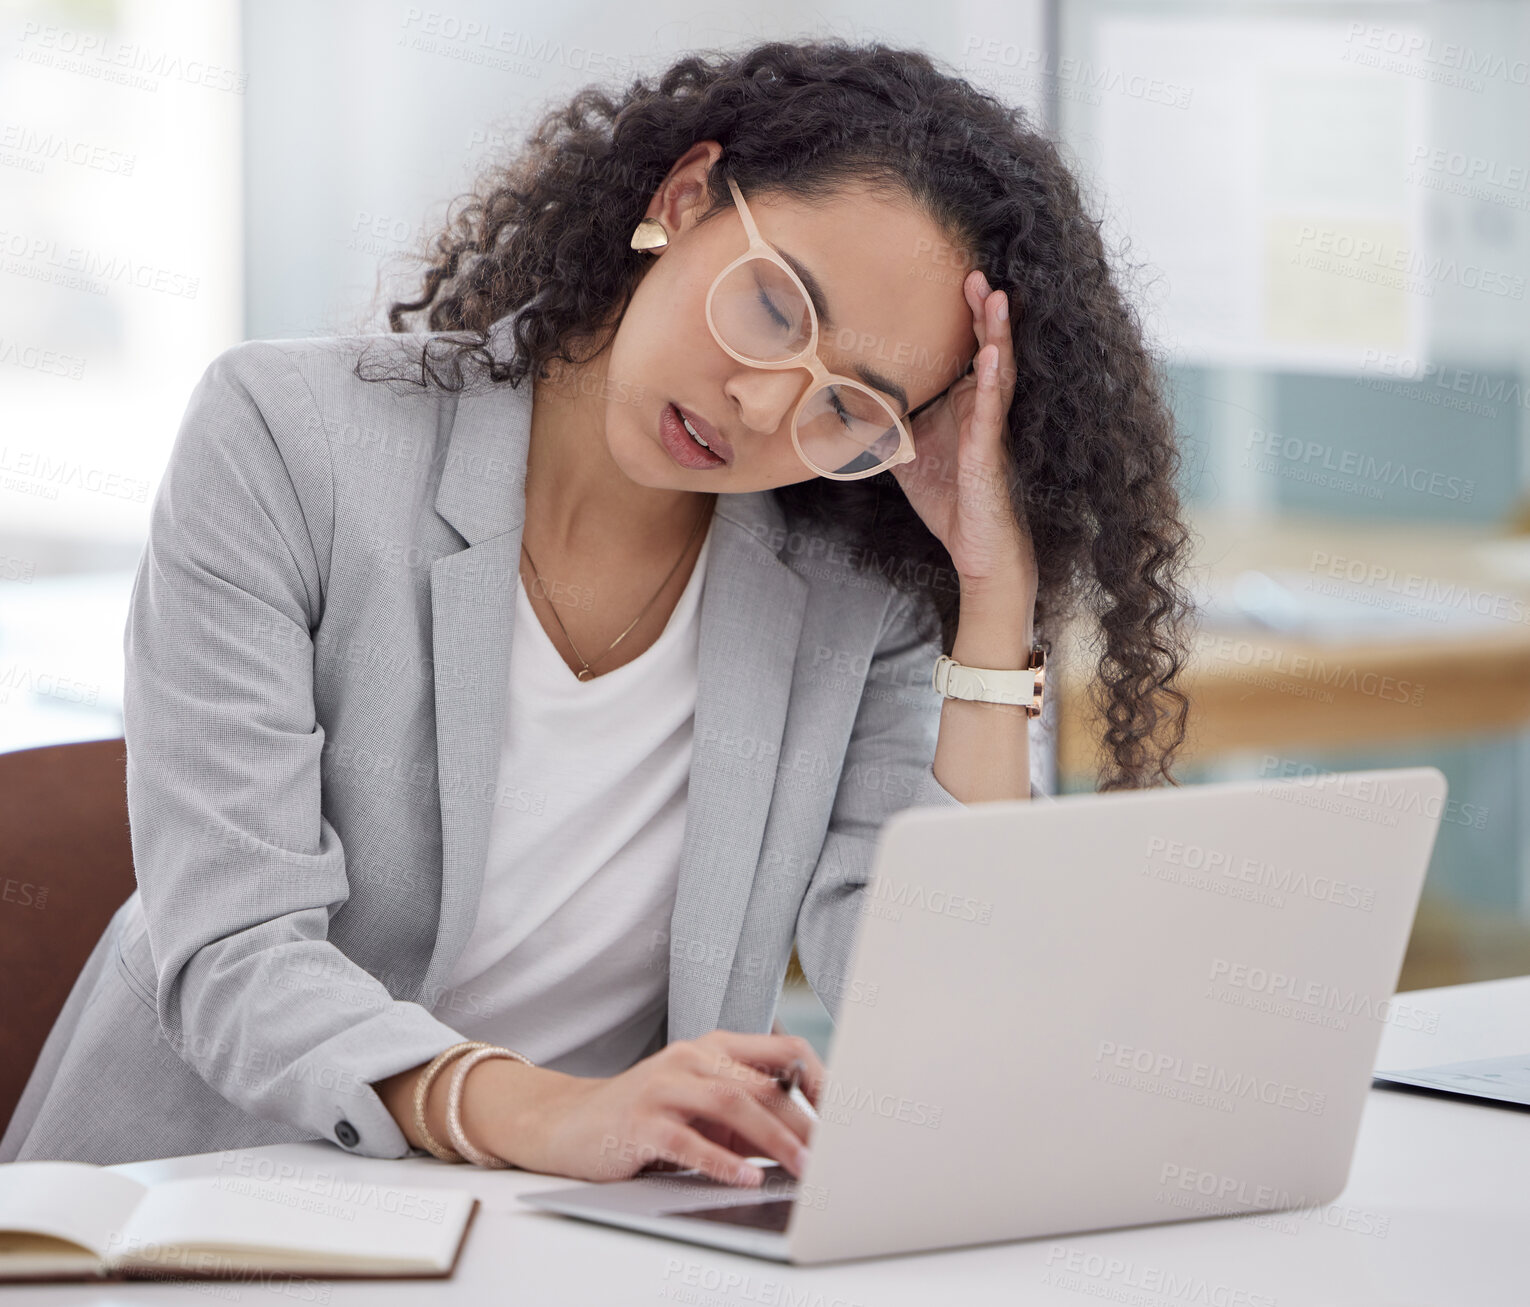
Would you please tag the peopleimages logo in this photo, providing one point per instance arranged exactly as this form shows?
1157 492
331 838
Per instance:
1124 1279
1275 667
1160 1072
1226 1188
1372 798
1257 873
1383 578
888 896
1369 259
843 1102
1450 63
1320 995
1365 469
1210 1192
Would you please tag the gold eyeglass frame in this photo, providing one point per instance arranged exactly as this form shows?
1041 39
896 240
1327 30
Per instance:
808 358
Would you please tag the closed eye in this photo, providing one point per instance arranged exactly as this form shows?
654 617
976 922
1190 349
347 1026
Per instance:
839 409
774 312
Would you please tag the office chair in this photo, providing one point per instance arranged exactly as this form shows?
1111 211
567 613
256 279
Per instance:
66 865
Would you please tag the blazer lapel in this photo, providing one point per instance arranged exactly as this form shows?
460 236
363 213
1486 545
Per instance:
482 494
751 614
751 617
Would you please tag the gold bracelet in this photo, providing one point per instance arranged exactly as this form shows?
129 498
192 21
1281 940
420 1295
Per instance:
454 1104
422 1088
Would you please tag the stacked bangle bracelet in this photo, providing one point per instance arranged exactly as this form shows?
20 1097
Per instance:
422 1088
454 1104
477 1050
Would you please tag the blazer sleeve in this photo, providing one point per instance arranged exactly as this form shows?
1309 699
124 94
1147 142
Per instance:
889 764
237 866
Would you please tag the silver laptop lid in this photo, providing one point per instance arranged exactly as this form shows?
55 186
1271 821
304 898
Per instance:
1113 1009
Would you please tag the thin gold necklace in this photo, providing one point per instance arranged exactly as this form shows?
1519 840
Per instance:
585 673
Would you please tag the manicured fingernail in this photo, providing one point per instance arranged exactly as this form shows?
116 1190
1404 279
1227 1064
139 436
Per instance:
1002 312
801 1160
750 1176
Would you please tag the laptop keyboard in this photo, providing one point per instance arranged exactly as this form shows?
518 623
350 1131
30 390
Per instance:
768 1214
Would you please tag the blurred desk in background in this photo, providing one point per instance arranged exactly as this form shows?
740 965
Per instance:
1322 635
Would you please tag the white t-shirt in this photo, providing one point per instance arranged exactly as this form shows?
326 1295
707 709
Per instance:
568 960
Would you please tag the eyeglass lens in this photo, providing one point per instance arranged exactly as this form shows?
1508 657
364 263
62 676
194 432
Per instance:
760 313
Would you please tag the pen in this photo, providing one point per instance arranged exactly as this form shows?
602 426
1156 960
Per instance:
788 1080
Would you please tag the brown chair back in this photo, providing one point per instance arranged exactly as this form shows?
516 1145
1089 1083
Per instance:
66 865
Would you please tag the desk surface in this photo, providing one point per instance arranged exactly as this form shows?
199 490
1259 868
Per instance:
1436 1212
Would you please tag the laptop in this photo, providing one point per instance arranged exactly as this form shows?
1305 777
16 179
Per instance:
1107 1010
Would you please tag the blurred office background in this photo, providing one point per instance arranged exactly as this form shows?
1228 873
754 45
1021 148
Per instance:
1322 209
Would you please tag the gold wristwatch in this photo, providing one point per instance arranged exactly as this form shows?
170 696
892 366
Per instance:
993 685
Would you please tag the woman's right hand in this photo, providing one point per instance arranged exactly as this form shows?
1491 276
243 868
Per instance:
704 1103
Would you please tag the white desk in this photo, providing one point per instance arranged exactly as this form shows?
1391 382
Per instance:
1441 1185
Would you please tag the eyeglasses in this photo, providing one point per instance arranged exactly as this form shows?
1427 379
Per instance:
760 312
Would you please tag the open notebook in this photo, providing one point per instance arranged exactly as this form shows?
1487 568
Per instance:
75 1221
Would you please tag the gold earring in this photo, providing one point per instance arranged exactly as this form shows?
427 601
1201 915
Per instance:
649 235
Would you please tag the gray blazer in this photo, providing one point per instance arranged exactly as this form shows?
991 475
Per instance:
317 651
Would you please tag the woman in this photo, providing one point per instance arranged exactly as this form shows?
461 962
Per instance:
371 829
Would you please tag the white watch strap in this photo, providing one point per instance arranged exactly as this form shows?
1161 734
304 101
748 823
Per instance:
985 684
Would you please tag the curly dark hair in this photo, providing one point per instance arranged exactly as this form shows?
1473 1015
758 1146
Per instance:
1092 455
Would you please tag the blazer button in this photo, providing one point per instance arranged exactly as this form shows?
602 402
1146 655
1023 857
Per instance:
345 1132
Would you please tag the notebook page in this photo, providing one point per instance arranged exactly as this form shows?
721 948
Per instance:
24 1256
67 1200
382 1225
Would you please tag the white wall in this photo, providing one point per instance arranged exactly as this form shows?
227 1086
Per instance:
120 230
366 119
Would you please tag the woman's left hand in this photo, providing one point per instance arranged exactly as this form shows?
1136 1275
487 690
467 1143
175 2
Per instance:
959 484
